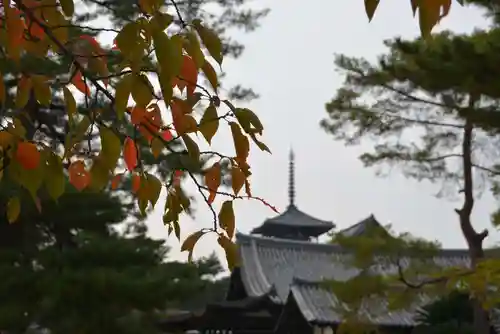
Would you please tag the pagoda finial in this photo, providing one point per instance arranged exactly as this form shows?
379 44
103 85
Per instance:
291 180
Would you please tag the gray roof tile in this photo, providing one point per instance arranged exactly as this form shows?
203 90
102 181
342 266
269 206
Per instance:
274 263
318 307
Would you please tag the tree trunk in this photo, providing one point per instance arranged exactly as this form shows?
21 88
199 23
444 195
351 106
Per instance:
474 239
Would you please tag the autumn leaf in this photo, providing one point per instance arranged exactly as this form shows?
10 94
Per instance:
115 181
209 123
209 72
27 155
13 209
79 177
78 81
210 40
190 242
370 7
136 183
237 179
167 135
189 75
137 115
24 86
241 144
130 153
231 251
226 218
212 180
177 178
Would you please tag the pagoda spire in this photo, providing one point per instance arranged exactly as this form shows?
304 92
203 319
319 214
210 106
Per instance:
291 179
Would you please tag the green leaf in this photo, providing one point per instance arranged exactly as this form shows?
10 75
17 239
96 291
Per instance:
249 121
77 135
110 148
23 92
192 148
168 53
68 7
32 180
209 123
42 90
226 218
160 22
194 49
100 173
70 103
142 91
55 180
13 209
127 40
123 90
190 242
210 40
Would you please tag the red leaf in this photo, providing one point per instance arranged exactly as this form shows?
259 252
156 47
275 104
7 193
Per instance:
177 178
189 74
167 135
130 153
79 177
27 155
79 83
115 182
137 115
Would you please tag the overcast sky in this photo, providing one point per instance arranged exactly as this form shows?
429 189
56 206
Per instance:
289 62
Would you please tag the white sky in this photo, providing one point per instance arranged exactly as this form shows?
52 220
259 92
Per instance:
289 62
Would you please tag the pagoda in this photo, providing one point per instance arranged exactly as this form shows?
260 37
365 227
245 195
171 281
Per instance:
293 224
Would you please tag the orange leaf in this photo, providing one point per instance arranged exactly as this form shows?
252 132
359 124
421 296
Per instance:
27 155
136 183
130 153
79 83
137 115
212 180
189 74
115 182
79 177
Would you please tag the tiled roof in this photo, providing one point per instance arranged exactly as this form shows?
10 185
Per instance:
268 263
295 218
318 307
362 227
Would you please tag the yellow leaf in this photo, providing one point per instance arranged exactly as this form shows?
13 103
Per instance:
142 91
166 86
156 147
237 179
210 40
110 148
146 6
209 123
248 121
123 90
226 218
152 189
55 180
194 49
128 40
192 148
23 92
190 242
213 180
76 136
209 72
231 250
370 7
42 90
429 15
70 102
241 144
68 7
13 209
99 173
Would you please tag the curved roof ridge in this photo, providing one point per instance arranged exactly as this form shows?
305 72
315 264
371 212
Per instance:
291 243
258 268
293 209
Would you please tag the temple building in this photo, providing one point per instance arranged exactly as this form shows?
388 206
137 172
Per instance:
277 288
